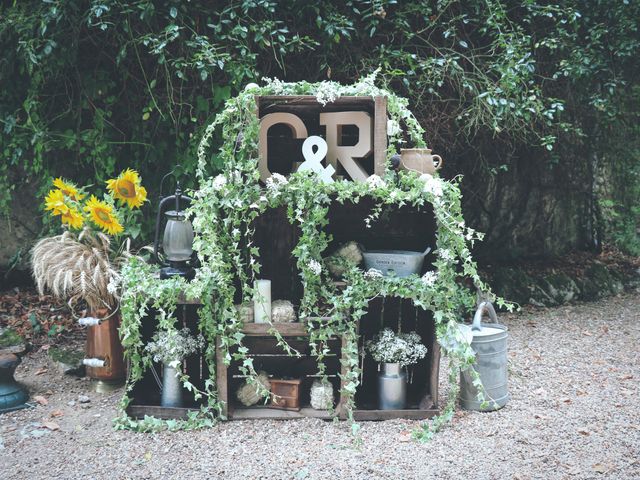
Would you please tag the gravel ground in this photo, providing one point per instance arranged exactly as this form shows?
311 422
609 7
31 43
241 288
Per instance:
574 414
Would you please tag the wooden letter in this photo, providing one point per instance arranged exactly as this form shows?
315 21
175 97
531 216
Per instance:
346 154
295 124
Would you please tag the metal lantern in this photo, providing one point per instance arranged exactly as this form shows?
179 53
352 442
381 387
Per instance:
177 239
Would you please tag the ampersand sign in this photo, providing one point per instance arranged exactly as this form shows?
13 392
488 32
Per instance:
312 160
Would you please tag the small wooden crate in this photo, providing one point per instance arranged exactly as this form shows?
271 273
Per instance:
285 394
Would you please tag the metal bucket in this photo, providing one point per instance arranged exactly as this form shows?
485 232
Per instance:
490 345
400 263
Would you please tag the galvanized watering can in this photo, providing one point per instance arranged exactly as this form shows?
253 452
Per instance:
490 345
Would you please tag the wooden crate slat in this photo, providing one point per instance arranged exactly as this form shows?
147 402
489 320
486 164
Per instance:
285 329
408 414
266 412
165 413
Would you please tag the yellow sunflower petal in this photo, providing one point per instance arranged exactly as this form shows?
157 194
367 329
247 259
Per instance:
73 218
54 201
127 189
102 215
69 189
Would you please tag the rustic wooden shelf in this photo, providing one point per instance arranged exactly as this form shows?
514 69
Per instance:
164 413
408 414
296 329
266 412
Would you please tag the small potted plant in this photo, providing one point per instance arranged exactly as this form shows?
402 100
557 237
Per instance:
171 347
395 351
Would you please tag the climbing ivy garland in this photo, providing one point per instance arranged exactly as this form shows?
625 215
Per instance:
223 214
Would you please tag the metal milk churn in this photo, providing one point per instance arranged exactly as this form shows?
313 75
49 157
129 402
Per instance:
490 345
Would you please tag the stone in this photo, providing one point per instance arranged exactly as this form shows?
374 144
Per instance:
67 361
249 394
83 399
11 342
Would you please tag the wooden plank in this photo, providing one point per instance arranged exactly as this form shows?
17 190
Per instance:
165 413
296 329
262 412
380 136
221 379
182 300
431 400
312 99
409 414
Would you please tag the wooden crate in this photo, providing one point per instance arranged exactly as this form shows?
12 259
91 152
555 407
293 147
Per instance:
146 393
285 151
266 353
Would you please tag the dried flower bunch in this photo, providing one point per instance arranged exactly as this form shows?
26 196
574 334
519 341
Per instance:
390 347
173 346
77 269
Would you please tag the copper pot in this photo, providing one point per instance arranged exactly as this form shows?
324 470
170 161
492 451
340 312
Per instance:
420 160
103 346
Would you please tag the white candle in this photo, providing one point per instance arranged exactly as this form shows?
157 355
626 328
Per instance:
262 301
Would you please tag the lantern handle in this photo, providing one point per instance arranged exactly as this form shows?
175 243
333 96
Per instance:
482 308
172 172
156 240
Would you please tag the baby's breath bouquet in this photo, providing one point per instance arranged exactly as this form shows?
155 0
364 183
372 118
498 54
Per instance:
172 346
390 347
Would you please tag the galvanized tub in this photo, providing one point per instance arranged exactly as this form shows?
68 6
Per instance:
400 263
490 345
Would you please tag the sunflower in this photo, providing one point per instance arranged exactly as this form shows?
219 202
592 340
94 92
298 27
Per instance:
73 218
126 188
69 189
102 215
55 201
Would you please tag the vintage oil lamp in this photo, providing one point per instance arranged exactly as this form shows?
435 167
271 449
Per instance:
177 240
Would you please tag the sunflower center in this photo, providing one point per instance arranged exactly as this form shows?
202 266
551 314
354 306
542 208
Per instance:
103 215
126 188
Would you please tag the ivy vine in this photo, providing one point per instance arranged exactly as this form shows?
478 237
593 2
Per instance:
223 214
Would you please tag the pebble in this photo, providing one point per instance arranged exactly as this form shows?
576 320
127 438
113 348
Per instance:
84 399
555 375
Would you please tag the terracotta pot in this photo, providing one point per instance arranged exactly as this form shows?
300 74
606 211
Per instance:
420 160
103 343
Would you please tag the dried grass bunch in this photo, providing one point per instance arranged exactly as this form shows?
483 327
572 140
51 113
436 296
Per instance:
78 268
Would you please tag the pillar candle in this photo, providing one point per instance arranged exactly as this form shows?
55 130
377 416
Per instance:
262 301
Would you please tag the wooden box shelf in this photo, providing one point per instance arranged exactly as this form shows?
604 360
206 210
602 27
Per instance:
268 355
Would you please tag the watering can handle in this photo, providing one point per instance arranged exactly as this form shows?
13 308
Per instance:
477 318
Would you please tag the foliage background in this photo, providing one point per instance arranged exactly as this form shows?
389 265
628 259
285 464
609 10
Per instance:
535 102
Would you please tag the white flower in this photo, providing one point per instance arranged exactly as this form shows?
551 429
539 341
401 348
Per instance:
375 181
393 128
112 286
315 266
432 184
219 182
391 347
393 194
373 273
275 181
327 93
429 278
172 346
445 254
251 86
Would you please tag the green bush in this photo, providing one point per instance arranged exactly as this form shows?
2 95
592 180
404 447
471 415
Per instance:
90 87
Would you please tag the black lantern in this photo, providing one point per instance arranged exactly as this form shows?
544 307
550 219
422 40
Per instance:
177 240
